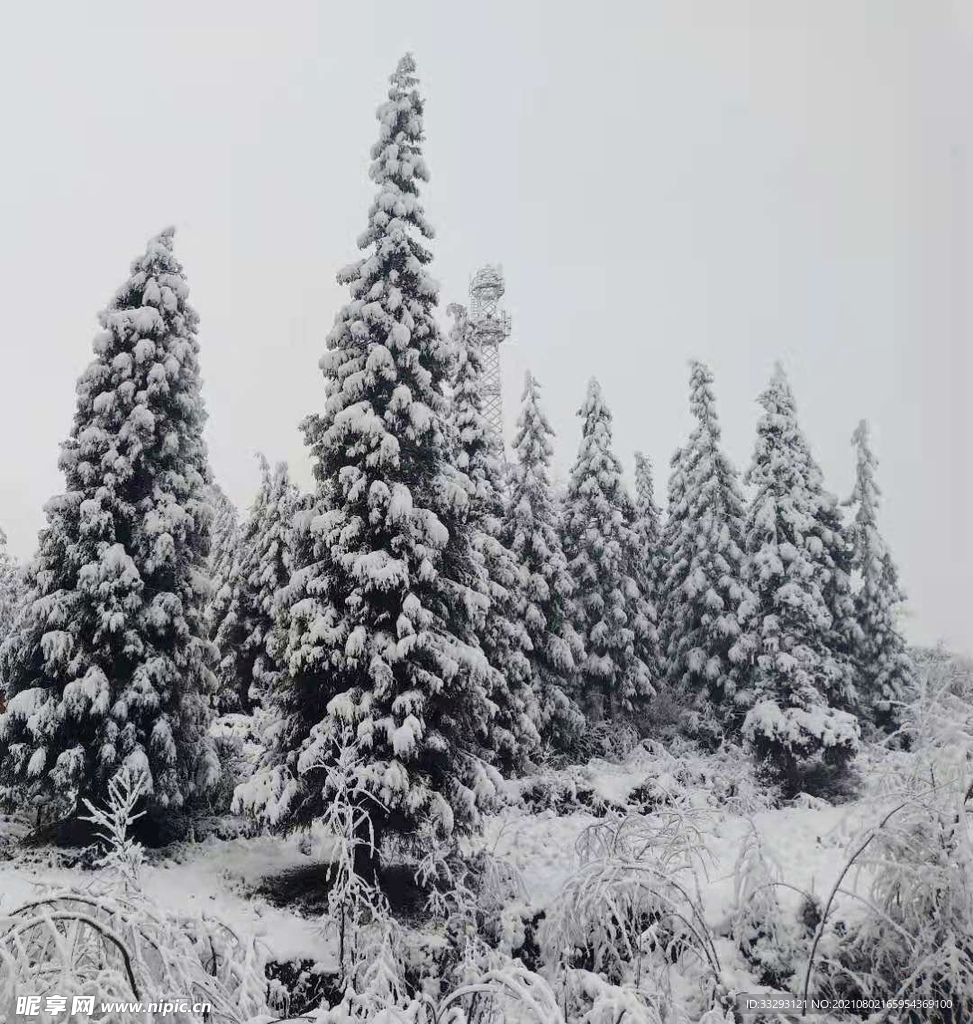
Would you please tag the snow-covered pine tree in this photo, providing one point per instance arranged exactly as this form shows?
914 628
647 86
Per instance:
801 671
12 591
675 514
376 625
846 635
503 635
648 530
886 676
704 596
532 531
262 568
224 546
109 666
613 617
644 616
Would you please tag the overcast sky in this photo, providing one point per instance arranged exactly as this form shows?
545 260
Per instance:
733 181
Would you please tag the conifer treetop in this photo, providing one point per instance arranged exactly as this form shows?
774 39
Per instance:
386 336
865 498
644 484
534 432
702 401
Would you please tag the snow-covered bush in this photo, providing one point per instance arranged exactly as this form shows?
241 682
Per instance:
492 995
632 915
237 739
356 904
613 741
940 713
915 941
682 775
805 750
757 924
564 792
112 941
123 855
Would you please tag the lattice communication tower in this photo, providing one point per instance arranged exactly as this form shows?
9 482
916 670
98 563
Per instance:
490 325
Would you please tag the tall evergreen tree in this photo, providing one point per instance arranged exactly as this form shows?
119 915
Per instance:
675 514
613 617
224 547
801 671
885 671
262 568
376 625
648 530
703 592
546 602
12 591
503 634
110 665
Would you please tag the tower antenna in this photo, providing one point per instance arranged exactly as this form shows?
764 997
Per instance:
490 326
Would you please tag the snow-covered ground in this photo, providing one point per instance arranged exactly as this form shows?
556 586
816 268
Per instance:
221 878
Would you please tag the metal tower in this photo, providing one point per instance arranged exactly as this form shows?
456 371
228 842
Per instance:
490 325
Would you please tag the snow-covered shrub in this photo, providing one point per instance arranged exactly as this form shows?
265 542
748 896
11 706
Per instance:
632 913
301 985
683 775
565 792
916 939
589 999
477 905
757 924
492 995
122 855
804 750
357 908
665 716
940 714
238 740
112 941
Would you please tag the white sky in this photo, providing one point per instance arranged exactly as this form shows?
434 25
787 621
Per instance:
732 181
